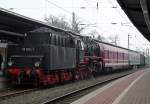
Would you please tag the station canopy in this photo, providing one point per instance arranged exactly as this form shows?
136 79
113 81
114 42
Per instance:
16 25
138 13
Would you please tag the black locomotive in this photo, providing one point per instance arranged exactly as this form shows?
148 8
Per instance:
49 56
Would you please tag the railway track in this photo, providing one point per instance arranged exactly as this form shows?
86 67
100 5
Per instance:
64 94
74 95
14 92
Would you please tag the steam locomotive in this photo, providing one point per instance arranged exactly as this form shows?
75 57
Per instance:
48 56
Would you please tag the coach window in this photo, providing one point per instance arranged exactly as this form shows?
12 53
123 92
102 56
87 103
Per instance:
118 56
107 54
123 56
115 55
111 54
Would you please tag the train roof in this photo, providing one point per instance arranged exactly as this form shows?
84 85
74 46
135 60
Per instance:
79 35
114 45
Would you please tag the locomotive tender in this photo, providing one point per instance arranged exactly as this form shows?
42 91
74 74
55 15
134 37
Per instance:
49 56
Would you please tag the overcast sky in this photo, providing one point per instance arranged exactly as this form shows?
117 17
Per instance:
102 17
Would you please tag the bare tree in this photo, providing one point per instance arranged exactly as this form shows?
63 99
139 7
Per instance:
99 37
76 24
59 22
95 34
114 39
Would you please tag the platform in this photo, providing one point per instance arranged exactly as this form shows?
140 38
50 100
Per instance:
132 89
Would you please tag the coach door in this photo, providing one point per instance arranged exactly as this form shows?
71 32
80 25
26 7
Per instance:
3 55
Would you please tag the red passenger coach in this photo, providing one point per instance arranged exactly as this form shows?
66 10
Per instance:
114 57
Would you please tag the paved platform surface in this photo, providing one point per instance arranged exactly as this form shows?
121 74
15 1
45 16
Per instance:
132 89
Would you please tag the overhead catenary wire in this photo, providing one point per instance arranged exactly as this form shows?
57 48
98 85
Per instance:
118 11
56 5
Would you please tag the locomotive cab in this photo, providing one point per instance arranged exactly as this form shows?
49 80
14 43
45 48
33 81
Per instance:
92 50
92 55
80 52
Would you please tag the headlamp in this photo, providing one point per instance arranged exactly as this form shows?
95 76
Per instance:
10 63
37 64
